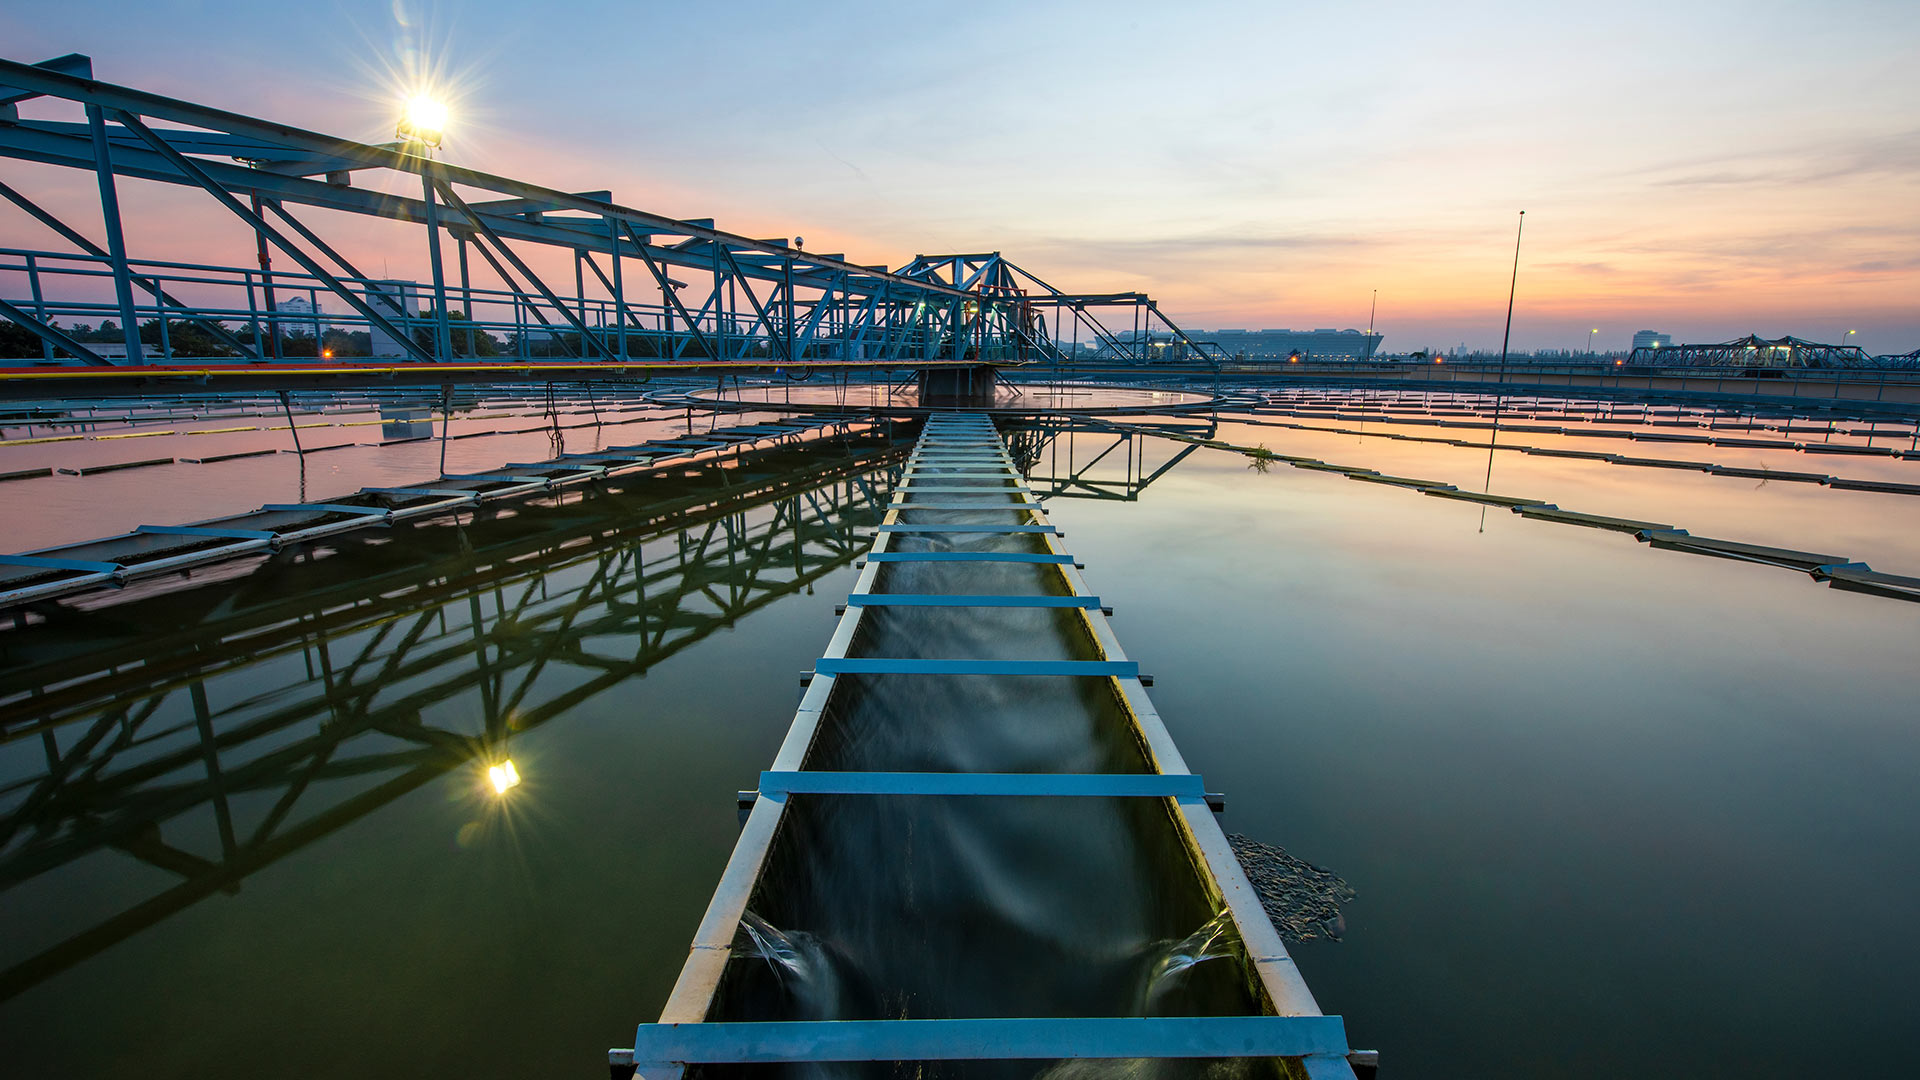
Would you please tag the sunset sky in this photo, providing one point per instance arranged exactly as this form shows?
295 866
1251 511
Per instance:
1704 169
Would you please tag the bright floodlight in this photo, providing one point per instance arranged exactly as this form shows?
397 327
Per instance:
423 119
504 776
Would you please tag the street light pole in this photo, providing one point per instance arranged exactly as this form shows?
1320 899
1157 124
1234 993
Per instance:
1500 393
1512 286
1371 310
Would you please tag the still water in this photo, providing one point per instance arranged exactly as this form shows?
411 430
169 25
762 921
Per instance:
1607 809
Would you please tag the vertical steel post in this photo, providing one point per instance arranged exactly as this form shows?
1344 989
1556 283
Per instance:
443 332
719 306
116 242
466 295
666 303
619 292
580 295
786 270
40 308
266 284
253 317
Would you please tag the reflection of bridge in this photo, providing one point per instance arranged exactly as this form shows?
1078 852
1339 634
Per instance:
161 733
1068 458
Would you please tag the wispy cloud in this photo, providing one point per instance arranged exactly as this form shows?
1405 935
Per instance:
1212 243
1860 157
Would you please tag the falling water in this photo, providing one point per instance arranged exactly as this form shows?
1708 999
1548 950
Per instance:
773 946
802 964
1215 940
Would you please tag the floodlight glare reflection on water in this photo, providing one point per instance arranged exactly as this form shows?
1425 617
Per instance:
503 776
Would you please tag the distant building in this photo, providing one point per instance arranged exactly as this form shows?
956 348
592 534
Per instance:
1651 339
1281 344
395 300
1271 345
299 307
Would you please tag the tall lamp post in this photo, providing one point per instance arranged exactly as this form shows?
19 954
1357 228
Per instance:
1590 336
1372 309
1512 287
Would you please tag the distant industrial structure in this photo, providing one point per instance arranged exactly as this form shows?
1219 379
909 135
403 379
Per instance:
1267 345
1755 353
1284 344
1651 339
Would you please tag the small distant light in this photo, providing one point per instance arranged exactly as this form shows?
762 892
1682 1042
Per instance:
504 776
1617 363
327 353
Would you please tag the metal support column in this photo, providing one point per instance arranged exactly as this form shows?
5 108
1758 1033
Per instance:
442 329
116 241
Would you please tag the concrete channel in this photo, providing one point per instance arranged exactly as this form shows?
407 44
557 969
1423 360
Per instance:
978 848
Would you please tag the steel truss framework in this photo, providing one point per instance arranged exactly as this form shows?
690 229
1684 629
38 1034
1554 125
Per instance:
646 287
149 746
1124 328
1757 352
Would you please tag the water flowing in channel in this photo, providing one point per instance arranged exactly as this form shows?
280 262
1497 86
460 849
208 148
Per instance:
902 906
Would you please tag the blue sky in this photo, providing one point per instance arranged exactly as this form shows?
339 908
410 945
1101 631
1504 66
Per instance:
1706 169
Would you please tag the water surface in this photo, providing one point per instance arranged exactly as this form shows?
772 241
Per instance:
1607 809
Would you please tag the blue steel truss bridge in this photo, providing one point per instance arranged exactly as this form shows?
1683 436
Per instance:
520 282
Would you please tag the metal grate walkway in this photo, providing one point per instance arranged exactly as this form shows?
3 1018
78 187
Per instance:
963 454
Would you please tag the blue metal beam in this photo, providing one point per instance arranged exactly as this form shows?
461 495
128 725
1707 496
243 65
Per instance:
935 527
968 600
1009 1038
1045 785
967 556
878 665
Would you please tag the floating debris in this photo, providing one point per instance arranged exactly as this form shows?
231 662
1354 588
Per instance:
1302 899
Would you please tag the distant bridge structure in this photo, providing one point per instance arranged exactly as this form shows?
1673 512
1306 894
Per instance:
1756 352
648 292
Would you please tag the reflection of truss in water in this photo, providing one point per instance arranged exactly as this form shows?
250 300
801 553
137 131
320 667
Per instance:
169 724
1071 458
